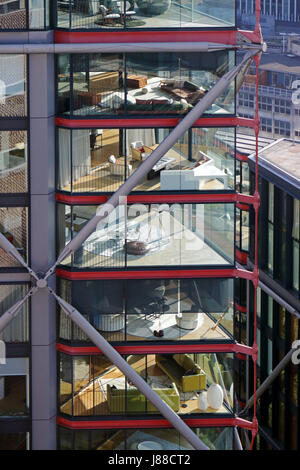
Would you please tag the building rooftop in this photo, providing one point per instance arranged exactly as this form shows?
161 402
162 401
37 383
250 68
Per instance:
284 154
279 62
279 163
245 143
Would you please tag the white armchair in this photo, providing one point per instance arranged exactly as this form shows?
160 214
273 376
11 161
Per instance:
112 322
106 16
189 320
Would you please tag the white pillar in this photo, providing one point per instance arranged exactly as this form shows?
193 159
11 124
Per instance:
276 10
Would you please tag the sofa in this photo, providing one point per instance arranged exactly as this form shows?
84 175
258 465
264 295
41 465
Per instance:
136 402
182 370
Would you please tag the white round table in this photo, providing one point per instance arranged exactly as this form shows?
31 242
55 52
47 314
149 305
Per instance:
149 445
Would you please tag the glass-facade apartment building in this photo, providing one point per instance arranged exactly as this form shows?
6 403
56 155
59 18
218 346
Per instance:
96 88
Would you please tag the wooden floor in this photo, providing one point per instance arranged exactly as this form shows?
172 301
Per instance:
100 179
92 401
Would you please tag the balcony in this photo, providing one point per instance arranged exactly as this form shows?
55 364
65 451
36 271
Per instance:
144 14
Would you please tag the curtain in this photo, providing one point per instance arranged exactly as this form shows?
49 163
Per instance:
81 156
64 167
18 329
36 14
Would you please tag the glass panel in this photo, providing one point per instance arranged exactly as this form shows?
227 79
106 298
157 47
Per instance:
14 441
12 14
201 160
14 226
270 247
13 162
14 387
142 14
13 100
150 84
65 439
179 379
172 83
63 85
245 230
136 439
37 14
155 235
295 243
98 84
153 310
65 383
18 329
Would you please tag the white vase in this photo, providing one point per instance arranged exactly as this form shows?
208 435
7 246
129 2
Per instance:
202 401
215 396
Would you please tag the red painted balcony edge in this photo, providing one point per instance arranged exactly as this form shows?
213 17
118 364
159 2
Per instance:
163 198
113 123
220 37
240 308
150 198
242 207
146 274
241 157
159 349
241 256
153 423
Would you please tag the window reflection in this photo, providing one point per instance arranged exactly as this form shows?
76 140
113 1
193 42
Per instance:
13 225
151 310
149 83
13 85
108 14
152 235
99 160
13 161
188 383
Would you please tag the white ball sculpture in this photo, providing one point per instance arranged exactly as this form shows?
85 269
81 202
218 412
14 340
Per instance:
215 396
112 159
202 401
231 392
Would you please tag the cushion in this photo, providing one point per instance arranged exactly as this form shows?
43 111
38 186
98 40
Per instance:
143 101
160 101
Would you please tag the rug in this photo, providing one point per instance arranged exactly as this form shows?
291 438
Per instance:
138 326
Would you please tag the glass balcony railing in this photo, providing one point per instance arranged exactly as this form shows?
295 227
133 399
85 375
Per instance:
152 236
93 386
147 84
144 14
99 160
140 439
151 310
